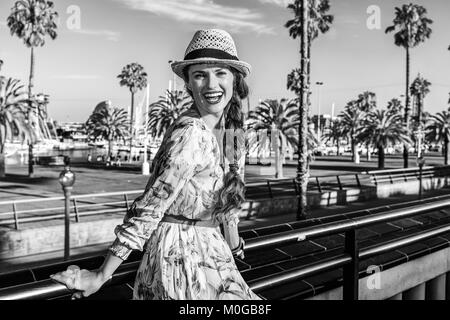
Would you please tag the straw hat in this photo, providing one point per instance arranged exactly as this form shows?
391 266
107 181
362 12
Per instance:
211 46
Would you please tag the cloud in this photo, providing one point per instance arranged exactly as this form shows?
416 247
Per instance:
233 19
108 34
76 77
280 3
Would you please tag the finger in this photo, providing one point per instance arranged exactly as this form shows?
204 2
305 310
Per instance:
77 295
73 268
64 278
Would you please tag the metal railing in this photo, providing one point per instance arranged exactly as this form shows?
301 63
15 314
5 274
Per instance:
43 209
24 211
393 175
349 260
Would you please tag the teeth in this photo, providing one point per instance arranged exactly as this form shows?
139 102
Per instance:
213 95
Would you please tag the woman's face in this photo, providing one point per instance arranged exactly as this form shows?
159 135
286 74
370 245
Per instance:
211 86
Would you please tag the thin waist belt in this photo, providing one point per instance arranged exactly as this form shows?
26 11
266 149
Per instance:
187 221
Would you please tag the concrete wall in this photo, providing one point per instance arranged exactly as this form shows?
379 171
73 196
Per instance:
18 243
397 280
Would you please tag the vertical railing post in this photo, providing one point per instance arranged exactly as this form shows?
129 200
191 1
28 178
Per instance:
374 177
339 182
357 181
16 216
297 192
318 185
126 202
75 208
270 189
351 270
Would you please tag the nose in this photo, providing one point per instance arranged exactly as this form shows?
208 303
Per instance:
212 81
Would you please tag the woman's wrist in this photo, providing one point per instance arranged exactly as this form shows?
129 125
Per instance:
103 276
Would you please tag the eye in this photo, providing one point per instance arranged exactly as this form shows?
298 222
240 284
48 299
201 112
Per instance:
199 75
221 73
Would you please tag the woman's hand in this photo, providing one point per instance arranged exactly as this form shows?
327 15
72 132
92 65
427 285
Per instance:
84 281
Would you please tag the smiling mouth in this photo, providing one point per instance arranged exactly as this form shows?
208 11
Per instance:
213 97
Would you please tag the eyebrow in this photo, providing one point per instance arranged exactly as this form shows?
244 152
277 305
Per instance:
202 71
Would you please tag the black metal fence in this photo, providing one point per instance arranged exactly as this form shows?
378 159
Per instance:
349 260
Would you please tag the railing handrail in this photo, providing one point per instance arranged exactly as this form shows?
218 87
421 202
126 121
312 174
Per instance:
403 170
80 196
343 226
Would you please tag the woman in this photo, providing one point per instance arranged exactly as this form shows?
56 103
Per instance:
196 185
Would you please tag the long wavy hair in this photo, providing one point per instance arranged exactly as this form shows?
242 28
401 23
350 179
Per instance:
232 194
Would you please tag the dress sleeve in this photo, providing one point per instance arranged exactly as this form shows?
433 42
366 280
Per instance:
181 158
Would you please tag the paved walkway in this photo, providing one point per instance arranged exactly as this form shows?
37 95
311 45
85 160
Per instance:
17 185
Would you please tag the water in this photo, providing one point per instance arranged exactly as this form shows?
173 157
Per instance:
76 155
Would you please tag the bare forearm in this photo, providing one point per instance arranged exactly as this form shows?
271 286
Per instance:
231 234
109 266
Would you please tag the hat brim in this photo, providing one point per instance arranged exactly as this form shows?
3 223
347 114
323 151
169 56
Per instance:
241 66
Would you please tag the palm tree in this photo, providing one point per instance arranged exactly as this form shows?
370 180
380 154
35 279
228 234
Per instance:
280 120
351 120
382 130
411 27
395 106
13 116
166 110
419 89
335 134
134 77
299 84
319 21
367 101
32 21
438 130
110 124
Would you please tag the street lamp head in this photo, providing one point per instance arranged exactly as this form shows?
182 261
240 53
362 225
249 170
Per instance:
67 176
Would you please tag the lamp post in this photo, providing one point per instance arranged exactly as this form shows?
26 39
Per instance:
318 115
67 179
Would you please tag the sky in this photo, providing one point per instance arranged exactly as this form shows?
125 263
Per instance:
97 38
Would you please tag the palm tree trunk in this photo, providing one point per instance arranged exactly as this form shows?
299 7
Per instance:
338 147
405 146
302 171
446 150
2 165
110 142
357 155
31 117
309 74
380 157
31 79
353 149
278 163
131 122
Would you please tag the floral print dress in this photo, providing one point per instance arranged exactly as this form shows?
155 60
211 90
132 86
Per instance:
182 262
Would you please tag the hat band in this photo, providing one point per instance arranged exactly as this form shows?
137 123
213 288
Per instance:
210 53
